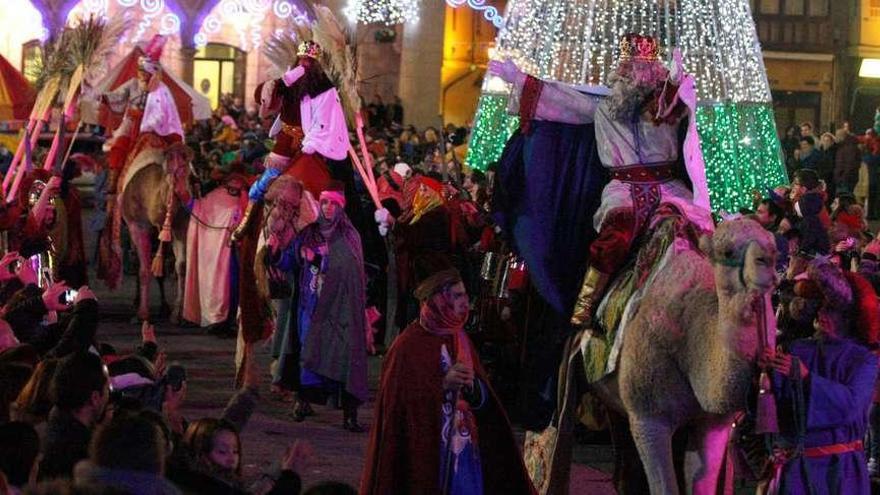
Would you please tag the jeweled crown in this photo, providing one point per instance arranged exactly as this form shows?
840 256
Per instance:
308 49
637 47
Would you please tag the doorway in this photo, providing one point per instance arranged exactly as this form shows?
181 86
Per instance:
219 69
791 108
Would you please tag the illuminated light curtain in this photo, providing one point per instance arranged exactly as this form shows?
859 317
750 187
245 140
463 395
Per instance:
576 41
388 12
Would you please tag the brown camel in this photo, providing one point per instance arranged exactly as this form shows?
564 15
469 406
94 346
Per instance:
144 202
689 353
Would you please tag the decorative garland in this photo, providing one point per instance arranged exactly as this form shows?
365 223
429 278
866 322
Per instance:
490 13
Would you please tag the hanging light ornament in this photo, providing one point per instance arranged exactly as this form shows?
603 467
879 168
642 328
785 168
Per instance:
388 12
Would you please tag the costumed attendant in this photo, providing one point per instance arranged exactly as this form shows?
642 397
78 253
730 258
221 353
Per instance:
330 310
439 427
825 387
310 128
211 291
636 128
150 115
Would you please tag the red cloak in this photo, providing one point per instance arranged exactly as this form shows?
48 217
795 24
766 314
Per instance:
404 450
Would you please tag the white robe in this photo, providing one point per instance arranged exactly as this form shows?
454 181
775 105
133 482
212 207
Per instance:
207 288
622 144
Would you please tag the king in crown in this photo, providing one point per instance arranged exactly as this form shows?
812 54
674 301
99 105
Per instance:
637 123
310 128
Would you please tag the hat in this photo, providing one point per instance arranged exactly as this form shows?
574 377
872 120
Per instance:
335 192
431 183
849 293
149 62
402 169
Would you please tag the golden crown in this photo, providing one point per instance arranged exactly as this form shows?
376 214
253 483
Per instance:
308 49
638 47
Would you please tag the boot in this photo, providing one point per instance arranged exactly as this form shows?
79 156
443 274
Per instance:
350 421
589 297
246 220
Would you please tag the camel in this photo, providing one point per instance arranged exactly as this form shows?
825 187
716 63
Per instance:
689 354
144 201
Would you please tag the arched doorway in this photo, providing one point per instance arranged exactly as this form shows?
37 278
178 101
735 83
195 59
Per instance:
219 69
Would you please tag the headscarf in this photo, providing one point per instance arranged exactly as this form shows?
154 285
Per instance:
437 312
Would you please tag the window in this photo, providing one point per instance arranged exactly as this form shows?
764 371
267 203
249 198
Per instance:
818 8
770 6
874 8
794 7
31 60
219 70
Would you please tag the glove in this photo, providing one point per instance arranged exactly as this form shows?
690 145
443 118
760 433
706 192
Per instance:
382 215
383 218
506 70
293 75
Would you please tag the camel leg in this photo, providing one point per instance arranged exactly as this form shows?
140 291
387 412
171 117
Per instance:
653 438
141 239
705 458
179 247
629 475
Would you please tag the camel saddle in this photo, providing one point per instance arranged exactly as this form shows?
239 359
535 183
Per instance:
667 235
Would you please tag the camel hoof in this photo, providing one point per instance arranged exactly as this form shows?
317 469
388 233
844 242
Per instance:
174 319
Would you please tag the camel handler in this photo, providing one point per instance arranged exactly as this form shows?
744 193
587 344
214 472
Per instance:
150 117
309 129
636 128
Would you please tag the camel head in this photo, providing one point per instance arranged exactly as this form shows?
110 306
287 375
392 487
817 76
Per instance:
744 256
291 208
178 160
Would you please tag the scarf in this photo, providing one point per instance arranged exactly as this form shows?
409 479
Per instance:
437 316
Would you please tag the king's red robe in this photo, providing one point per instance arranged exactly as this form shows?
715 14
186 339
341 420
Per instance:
404 450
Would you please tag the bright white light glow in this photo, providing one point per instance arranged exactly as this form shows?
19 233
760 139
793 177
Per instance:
870 68
388 12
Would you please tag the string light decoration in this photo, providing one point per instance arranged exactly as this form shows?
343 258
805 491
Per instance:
247 17
490 13
494 126
388 12
152 16
576 42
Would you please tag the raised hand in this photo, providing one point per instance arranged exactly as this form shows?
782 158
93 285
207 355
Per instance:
52 296
8 259
506 70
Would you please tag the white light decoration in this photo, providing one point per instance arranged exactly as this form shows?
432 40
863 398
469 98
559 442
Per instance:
155 16
490 13
575 41
388 12
247 18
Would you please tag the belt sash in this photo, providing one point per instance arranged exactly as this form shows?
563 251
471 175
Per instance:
645 181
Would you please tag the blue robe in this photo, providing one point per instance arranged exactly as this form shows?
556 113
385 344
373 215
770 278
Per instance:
837 395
